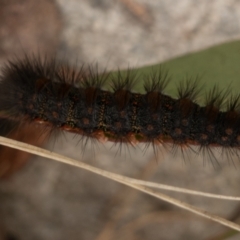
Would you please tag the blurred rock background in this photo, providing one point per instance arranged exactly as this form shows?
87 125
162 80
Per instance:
48 200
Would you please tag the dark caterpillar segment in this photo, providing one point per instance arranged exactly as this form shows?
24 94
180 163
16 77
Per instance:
48 93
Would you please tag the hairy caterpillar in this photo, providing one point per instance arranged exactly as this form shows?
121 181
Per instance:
48 93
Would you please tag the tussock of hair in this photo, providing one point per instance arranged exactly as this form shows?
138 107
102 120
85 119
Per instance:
233 104
124 81
216 97
189 88
157 81
45 92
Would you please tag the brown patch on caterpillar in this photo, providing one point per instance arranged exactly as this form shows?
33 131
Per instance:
229 131
153 99
122 98
178 131
40 84
150 127
204 136
85 121
185 106
46 94
90 96
54 114
210 128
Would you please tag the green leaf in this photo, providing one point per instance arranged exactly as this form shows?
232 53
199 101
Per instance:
219 65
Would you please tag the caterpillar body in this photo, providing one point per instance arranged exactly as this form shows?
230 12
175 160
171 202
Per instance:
47 93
